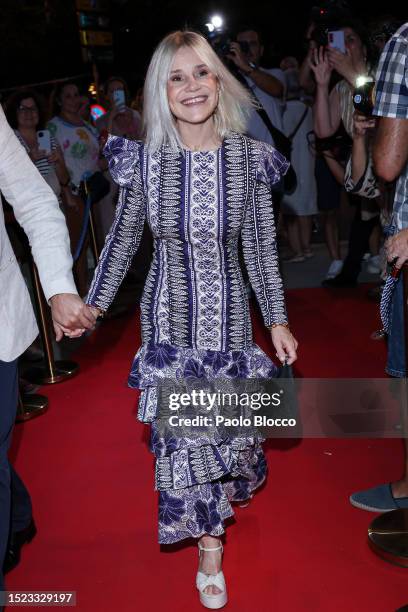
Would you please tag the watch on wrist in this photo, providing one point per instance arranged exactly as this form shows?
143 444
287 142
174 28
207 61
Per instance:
253 67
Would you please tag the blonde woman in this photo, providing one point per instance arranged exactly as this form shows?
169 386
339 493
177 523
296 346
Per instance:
201 184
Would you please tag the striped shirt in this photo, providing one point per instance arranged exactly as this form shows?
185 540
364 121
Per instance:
43 165
392 101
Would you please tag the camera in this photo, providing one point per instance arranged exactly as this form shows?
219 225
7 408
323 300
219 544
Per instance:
222 43
364 96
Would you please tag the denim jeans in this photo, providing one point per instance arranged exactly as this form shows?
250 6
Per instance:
396 337
396 343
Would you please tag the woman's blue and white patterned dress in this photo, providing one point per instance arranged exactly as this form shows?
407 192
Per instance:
194 311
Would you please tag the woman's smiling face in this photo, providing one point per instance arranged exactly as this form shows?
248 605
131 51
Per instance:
192 89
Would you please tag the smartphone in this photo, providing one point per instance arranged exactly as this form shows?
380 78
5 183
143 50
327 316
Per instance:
119 97
44 141
336 40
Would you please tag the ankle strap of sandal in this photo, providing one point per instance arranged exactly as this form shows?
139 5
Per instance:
220 547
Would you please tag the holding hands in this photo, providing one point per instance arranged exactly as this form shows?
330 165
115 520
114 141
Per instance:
70 316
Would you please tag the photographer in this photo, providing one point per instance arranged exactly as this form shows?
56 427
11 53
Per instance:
299 207
267 85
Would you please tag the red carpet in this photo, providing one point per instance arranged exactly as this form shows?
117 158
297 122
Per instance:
298 547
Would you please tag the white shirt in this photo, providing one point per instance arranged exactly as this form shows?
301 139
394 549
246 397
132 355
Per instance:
273 106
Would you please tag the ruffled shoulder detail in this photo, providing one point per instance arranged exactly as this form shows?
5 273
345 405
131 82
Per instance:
272 165
123 157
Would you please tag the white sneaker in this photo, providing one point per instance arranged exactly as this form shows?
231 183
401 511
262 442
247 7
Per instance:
373 265
334 269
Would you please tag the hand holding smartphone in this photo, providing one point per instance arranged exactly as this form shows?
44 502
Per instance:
336 40
44 141
119 99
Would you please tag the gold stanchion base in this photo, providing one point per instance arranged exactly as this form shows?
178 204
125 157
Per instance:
388 536
31 406
61 371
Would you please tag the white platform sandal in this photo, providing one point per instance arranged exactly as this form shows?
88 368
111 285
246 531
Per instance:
214 602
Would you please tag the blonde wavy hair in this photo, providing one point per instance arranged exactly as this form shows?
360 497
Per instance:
159 125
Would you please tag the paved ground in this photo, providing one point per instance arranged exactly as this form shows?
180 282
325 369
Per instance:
311 272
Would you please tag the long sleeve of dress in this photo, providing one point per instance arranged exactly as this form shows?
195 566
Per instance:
259 238
124 236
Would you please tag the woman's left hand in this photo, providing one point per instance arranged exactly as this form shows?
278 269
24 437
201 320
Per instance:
284 343
342 63
53 157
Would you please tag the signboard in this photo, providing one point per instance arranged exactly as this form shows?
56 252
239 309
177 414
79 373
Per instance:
99 54
94 26
92 38
93 21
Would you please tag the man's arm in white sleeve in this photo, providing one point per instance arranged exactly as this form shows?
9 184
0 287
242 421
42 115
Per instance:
37 211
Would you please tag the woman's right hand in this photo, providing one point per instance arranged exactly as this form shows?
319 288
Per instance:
285 344
361 124
320 66
36 154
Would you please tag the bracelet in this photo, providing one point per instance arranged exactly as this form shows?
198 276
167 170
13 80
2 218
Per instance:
101 312
278 325
65 184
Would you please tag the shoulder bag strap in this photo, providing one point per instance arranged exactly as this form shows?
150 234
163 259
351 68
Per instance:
297 128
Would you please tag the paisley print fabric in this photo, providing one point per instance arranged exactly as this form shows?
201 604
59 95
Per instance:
194 311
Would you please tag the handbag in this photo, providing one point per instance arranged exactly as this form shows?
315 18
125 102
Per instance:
286 372
282 143
284 146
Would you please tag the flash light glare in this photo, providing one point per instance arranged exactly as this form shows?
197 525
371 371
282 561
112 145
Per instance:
210 27
362 80
217 21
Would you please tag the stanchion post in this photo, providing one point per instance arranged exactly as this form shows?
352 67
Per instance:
94 243
30 405
53 371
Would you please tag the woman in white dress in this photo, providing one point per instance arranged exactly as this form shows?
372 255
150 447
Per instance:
300 206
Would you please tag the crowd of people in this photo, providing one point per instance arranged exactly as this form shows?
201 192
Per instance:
217 128
308 102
